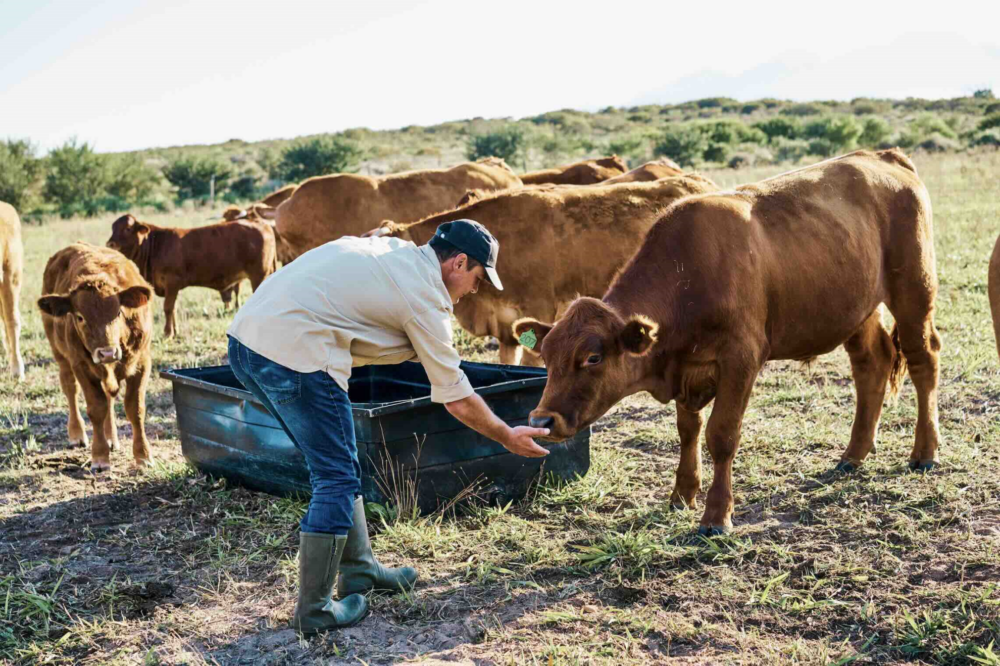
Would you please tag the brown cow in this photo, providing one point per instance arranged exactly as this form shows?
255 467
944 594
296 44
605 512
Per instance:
655 170
216 256
557 242
787 268
994 291
586 172
99 324
11 265
328 207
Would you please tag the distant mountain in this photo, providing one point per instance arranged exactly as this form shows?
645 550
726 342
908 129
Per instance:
947 66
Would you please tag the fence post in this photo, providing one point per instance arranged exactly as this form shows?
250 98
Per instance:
211 190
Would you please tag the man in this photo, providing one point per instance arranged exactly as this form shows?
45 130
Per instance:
349 303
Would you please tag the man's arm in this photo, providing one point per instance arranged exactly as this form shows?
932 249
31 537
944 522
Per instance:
473 412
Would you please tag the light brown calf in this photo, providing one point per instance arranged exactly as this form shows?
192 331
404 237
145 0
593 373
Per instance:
99 323
587 172
787 268
11 265
655 170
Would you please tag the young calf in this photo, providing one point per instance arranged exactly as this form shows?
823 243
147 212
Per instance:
99 324
788 268
217 256
11 263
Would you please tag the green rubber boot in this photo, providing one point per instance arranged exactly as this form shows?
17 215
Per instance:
360 572
316 611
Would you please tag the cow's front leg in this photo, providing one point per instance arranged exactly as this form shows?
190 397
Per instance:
735 384
169 327
135 410
97 409
687 484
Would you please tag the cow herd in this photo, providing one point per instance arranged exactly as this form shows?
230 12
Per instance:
618 281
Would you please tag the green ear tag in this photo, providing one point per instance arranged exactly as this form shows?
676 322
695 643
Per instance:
528 339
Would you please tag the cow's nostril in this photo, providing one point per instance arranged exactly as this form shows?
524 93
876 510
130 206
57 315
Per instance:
543 422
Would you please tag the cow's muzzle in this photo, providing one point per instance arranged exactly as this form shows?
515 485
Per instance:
559 428
107 355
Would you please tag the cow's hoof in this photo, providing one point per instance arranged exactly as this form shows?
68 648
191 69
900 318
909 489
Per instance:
712 530
142 463
77 443
845 466
679 505
921 466
99 466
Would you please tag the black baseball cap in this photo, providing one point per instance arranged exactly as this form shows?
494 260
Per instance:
474 240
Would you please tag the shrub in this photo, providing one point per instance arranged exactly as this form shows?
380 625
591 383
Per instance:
984 93
989 122
778 126
843 132
789 150
935 143
802 110
76 177
716 152
506 143
627 145
318 157
927 124
683 144
715 102
821 147
129 179
733 131
750 108
19 169
990 137
991 108
874 132
192 176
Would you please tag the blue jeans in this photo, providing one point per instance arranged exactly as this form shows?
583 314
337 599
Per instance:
315 413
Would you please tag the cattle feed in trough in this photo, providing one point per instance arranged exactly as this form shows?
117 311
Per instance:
787 268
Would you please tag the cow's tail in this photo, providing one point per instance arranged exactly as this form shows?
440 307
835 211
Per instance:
898 371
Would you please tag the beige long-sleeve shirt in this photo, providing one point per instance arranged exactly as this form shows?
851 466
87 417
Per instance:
355 302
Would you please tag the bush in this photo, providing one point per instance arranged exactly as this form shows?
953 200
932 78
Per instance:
192 176
874 132
988 138
992 108
750 108
716 152
733 131
683 144
318 157
802 110
984 93
927 124
129 179
840 132
506 143
789 150
989 122
778 126
715 102
936 143
19 169
821 147
77 176
627 145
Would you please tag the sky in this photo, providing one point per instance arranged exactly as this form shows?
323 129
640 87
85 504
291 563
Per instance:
130 74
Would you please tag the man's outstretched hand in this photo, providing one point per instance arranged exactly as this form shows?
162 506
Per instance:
521 442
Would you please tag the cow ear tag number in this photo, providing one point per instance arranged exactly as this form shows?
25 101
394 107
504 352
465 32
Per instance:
528 339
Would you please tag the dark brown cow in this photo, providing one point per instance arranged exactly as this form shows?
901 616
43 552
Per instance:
787 268
994 291
216 256
556 242
586 172
655 170
99 323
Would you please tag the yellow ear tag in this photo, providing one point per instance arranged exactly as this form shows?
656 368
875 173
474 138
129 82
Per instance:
642 331
528 339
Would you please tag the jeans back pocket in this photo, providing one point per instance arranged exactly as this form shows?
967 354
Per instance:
281 385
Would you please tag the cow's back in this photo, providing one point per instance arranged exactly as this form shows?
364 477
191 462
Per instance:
82 262
655 170
329 207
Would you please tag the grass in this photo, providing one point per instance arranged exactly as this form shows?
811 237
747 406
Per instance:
879 567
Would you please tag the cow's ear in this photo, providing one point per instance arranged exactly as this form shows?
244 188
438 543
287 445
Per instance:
530 333
55 305
135 297
639 335
140 228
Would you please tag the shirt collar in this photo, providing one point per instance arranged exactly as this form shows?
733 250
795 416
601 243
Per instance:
435 268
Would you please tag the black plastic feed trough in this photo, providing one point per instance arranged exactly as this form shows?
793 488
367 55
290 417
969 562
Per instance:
226 432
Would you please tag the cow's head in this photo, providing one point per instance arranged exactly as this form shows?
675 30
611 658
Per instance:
98 313
127 235
590 354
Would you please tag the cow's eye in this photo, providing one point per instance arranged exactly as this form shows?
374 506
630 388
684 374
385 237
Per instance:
593 359
79 318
